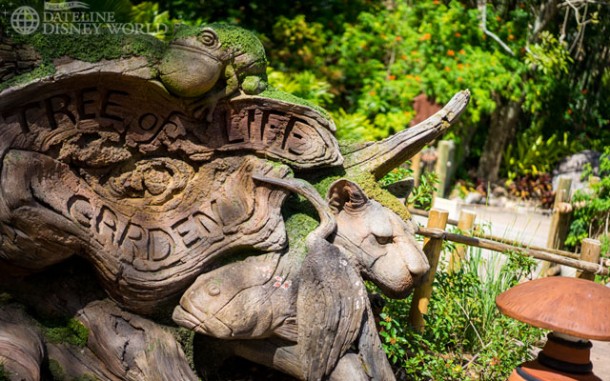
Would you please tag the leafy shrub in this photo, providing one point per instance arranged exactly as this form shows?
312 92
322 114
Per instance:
592 209
466 338
422 196
532 154
537 187
302 84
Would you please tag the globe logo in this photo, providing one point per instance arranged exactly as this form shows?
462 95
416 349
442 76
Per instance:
25 20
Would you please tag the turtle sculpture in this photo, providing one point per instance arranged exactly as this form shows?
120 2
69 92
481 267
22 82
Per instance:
148 180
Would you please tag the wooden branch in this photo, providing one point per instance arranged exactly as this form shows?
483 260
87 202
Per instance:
482 5
381 157
501 247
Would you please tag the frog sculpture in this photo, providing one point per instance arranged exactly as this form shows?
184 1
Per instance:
158 170
200 63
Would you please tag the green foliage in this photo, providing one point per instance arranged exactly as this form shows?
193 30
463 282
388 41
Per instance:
532 154
355 127
592 210
72 332
397 174
549 55
302 84
300 44
148 13
466 338
57 372
423 195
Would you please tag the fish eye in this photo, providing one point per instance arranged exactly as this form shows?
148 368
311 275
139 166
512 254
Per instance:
209 38
213 290
384 240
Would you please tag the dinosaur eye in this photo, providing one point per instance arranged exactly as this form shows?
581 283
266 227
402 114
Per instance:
209 38
384 240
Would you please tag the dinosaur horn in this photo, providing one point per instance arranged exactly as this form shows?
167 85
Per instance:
381 157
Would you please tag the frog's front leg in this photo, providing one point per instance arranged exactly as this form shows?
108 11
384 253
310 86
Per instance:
205 106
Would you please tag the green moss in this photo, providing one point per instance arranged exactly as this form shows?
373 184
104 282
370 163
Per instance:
185 338
366 181
57 372
300 219
85 377
95 47
41 71
72 332
348 146
273 93
232 38
374 190
88 48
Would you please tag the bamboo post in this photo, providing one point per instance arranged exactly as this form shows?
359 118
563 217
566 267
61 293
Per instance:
465 225
503 247
443 166
432 248
416 168
591 251
560 222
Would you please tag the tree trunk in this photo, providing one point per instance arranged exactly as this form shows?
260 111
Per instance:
501 131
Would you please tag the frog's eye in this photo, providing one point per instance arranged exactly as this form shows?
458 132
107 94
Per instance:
209 38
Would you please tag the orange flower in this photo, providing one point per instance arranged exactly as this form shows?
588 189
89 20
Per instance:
392 341
398 38
436 2
391 77
414 52
418 78
404 56
425 37
460 66
458 34
569 111
511 37
447 69
498 18
372 93
450 53
460 79
462 51
388 319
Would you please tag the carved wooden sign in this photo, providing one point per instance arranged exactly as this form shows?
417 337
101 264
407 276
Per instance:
168 175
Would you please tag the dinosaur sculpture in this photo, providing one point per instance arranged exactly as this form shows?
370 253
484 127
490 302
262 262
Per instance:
120 167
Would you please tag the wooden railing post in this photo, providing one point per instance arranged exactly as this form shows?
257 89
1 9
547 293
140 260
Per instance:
416 168
443 165
591 251
432 248
465 225
560 222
